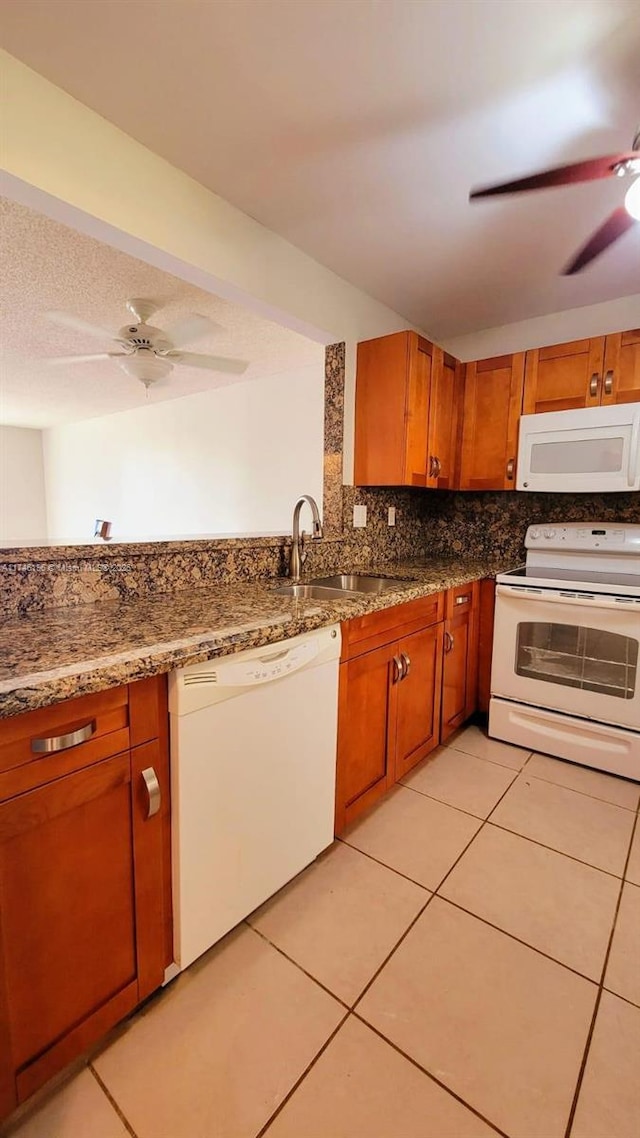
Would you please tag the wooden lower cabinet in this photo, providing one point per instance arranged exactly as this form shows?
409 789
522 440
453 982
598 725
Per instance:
418 694
83 888
388 716
460 664
408 679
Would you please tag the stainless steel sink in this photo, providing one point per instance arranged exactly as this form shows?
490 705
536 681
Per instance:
341 585
359 583
311 592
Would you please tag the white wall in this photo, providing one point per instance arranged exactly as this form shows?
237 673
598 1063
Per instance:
67 162
232 460
23 515
555 328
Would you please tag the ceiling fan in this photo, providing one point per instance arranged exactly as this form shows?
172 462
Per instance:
623 218
148 353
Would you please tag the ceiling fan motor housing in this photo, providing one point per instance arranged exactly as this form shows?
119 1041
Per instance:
145 336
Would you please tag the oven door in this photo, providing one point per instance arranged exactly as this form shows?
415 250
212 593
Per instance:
574 654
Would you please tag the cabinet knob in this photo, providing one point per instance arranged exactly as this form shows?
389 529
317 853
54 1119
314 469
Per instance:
448 641
593 384
152 787
511 466
608 383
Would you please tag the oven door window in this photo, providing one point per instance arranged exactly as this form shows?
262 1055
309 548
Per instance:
578 657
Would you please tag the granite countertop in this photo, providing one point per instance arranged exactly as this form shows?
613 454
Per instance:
53 655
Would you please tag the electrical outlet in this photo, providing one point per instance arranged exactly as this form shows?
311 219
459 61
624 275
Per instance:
391 516
359 516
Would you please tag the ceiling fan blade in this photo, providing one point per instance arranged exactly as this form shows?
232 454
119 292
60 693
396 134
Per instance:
211 363
67 320
84 359
588 171
191 327
616 224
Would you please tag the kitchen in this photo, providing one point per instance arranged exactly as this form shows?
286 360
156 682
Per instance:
105 623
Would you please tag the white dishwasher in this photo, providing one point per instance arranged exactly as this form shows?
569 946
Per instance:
253 763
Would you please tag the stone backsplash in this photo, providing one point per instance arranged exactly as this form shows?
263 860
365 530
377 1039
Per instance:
495 522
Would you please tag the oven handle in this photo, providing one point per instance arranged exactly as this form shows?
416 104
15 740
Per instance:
554 598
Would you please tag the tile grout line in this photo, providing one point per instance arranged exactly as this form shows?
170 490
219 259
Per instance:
429 1074
484 759
443 897
309 976
601 988
303 1076
107 1093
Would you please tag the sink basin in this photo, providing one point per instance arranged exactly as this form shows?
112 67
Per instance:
342 585
311 592
359 583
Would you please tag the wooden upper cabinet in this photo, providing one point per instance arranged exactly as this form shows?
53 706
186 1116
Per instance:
621 381
583 373
447 382
393 387
564 376
407 401
491 411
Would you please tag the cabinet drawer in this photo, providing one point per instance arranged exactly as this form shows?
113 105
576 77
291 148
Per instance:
53 741
366 633
459 599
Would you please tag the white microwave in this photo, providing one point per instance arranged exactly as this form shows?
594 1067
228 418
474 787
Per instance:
592 450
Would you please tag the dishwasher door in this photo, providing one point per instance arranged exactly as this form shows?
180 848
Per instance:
253 761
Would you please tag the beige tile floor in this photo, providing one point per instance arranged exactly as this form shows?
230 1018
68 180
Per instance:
466 962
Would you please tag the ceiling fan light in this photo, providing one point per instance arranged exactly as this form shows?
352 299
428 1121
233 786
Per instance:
145 366
632 200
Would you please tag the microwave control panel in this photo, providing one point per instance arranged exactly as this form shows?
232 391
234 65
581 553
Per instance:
585 537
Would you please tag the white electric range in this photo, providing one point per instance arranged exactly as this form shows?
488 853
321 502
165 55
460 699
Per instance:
565 676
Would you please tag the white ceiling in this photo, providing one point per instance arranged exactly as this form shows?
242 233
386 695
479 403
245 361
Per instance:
46 266
355 128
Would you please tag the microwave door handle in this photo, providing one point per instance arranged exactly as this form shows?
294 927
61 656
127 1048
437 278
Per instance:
634 447
601 601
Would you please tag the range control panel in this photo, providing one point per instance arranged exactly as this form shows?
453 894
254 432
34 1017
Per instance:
585 536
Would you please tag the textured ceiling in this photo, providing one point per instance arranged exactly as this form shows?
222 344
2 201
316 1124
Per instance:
47 266
355 128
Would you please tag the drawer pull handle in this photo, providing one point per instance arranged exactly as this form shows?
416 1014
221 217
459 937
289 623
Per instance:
406 660
448 642
511 466
608 383
435 466
463 600
593 384
152 787
398 669
63 742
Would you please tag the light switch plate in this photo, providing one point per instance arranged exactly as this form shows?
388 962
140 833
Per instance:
359 516
391 516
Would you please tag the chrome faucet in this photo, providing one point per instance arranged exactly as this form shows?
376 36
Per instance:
298 556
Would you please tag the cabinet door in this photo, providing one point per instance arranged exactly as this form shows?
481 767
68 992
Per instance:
393 380
365 730
460 658
418 698
444 416
491 411
621 383
67 896
564 376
